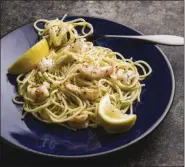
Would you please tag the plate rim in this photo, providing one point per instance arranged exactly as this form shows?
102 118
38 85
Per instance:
144 135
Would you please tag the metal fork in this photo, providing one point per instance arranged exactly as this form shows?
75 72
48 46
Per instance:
157 39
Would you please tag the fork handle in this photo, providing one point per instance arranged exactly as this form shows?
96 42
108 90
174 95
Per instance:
159 39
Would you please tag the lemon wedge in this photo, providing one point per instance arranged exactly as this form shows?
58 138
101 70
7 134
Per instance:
30 58
112 119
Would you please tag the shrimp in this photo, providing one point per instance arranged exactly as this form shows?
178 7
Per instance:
79 121
85 93
125 76
45 64
79 46
90 72
80 118
77 125
40 93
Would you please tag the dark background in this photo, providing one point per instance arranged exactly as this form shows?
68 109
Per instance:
165 146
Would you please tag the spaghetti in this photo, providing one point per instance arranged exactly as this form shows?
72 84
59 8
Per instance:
67 85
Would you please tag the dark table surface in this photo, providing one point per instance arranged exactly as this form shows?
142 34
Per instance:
165 145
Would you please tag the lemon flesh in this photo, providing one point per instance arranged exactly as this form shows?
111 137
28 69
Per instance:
30 58
113 120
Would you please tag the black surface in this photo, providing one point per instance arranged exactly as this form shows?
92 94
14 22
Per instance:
165 145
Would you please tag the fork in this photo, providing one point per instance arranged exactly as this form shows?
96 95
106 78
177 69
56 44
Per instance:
157 39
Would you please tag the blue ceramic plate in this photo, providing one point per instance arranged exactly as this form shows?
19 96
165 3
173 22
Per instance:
57 141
